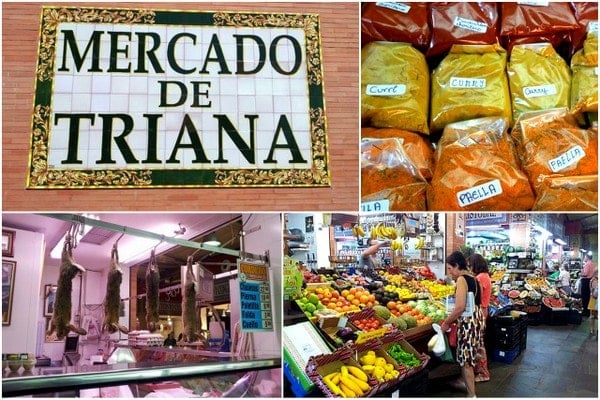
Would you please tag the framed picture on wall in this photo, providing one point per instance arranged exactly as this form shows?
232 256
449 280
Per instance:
49 297
8 238
8 289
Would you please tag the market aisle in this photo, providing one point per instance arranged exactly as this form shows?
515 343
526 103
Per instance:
559 361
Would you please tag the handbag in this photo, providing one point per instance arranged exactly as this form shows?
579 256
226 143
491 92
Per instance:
452 336
447 356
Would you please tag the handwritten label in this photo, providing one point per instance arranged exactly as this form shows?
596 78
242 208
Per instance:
397 89
568 158
375 206
471 25
534 3
539 91
457 82
402 7
479 193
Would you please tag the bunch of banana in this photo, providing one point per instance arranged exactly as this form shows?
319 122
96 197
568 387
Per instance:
349 381
382 231
358 231
420 244
396 245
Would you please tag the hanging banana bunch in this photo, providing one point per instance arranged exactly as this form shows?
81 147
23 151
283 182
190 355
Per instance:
358 231
396 244
420 243
382 231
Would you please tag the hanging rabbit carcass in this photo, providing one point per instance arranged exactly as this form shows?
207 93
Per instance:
61 315
152 293
112 300
188 305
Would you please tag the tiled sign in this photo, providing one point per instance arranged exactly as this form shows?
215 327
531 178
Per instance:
135 98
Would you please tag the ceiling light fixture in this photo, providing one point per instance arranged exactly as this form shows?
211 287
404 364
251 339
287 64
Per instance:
56 252
212 240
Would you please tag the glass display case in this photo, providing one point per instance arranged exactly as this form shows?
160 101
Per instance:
154 372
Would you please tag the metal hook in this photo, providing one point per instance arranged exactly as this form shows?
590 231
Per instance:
162 238
117 241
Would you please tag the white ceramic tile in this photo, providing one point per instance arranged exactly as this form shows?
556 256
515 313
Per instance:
267 93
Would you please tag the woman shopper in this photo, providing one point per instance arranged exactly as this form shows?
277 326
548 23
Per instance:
467 315
479 267
587 273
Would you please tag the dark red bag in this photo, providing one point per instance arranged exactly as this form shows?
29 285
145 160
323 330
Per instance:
453 335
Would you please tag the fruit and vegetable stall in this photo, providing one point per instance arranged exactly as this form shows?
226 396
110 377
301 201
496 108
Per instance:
367 328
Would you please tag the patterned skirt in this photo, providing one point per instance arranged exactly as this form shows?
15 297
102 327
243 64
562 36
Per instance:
469 337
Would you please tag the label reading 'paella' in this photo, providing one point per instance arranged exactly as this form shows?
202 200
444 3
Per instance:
567 159
479 193
143 98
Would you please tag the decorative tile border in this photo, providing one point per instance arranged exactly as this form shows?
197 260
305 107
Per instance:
131 98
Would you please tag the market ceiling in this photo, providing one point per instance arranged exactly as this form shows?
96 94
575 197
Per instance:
94 249
589 222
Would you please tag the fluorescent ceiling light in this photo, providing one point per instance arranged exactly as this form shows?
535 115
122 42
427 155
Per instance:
56 252
560 241
212 241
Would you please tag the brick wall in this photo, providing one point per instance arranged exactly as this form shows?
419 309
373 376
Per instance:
340 56
454 241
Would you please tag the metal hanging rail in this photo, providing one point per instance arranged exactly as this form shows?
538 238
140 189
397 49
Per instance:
144 234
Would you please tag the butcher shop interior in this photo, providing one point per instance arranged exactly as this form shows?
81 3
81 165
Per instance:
170 304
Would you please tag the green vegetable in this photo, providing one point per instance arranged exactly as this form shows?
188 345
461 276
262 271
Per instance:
403 357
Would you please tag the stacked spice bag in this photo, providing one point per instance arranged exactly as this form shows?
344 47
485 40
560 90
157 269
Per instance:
480 106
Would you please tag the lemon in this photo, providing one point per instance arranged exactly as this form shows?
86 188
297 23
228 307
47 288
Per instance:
368 359
380 362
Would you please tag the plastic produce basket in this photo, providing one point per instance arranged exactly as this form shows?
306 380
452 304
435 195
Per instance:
388 340
358 350
322 365
366 313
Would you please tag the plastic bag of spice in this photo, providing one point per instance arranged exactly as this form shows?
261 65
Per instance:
462 23
586 14
417 147
396 22
567 193
469 83
395 87
584 83
477 170
551 143
387 173
531 22
539 78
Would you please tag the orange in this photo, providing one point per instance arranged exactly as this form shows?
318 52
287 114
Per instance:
391 305
356 302
350 297
345 292
352 290
364 299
